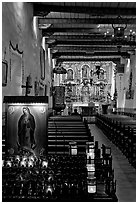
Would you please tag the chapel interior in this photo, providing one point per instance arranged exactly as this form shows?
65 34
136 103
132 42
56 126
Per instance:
68 101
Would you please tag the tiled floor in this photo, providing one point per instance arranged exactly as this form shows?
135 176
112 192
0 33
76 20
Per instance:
125 174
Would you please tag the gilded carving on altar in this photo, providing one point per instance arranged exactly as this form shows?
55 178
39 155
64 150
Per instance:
84 83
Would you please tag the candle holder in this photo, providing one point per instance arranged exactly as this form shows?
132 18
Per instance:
30 164
23 163
44 164
92 185
8 163
73 148
91 170
90 151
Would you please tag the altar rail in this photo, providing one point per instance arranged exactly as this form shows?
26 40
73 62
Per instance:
121 130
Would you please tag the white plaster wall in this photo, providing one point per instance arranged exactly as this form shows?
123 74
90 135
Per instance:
17 27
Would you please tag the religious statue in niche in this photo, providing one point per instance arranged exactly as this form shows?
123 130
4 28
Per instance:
91 73
85 93
101 75
84 71
70 74
26 129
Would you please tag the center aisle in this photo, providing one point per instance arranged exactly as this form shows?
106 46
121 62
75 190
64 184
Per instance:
125 174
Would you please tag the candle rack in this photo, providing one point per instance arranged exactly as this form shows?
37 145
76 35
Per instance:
59 178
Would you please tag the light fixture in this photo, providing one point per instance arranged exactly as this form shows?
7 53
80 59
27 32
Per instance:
120 38
59 69
119 29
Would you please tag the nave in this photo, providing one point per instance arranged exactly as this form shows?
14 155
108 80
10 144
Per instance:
60 59
125 174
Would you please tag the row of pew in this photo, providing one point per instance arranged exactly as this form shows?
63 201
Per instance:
121 130
133 115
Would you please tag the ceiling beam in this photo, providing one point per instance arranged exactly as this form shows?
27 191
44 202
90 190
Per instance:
41 9
89 43
78 37
91 20
68 29
56 55
116 60
88 50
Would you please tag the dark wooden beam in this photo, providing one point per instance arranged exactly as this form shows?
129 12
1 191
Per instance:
78 37
88 49
40 9
90 42
58 54
115 60
101 20
63 30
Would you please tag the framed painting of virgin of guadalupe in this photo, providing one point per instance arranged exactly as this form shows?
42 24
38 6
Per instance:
26 126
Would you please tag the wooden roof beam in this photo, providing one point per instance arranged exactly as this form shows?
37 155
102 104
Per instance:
105 20
40 9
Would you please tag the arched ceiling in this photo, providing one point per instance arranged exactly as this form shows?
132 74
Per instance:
83 30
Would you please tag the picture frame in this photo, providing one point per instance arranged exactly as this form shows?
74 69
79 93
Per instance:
42 63
4 72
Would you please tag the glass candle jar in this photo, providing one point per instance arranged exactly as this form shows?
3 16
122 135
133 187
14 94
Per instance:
73 148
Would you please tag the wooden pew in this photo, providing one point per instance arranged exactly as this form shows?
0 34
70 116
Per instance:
121 130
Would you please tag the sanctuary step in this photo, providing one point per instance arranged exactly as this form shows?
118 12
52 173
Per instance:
64 129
